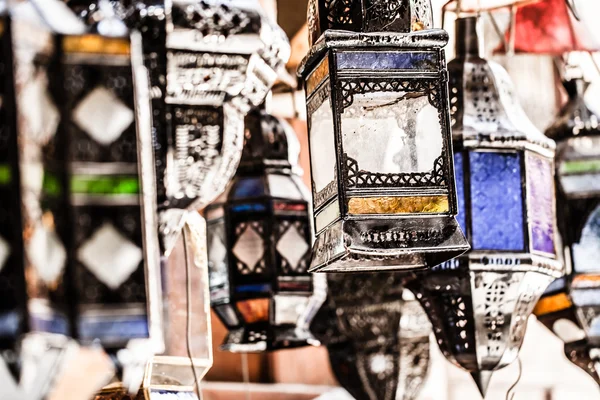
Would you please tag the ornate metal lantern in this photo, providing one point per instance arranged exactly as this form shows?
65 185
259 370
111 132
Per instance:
577 134
90 273
259 244
378 342
378 115
557 312
479 303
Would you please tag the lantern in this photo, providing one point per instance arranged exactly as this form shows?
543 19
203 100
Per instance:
479 303
259 244
376 334
556 311
577 134
381 152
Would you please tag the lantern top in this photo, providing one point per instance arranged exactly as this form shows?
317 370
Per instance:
271 143
575 118
490 114
337 39
402 16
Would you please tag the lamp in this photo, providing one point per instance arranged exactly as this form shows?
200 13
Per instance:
259 239
479 303
381 159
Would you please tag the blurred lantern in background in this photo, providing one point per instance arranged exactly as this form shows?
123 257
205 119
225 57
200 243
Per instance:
378 117
259 244
376 334
577 134
479 303
88 223
33 351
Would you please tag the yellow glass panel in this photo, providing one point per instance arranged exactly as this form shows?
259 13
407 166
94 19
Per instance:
317 76
95 44
552 304
255 310
582 281
398 205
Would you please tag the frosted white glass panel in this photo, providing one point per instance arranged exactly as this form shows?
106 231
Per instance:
393 132
322 147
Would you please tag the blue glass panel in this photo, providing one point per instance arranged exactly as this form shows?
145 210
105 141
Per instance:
49 323
172 395
496 201
558 285
257 288
460 190
248 187
257 207
9 324
385 60
118 328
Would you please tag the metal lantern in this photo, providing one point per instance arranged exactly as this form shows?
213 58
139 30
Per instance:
577 134
259 244
377 336
380 144
557 312
479 303
90 273
209 63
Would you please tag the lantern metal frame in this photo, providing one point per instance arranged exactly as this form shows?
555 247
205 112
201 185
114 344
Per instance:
414 239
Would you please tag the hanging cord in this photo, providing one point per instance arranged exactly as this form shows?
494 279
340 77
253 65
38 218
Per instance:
246 374
573 8
510 394
189 313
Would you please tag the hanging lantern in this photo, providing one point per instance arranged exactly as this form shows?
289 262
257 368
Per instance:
378 350
557 312
89 271
259 244
479 303
378 115
577 134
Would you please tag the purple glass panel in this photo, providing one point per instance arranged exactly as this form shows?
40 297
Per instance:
496 201
540 194
387 60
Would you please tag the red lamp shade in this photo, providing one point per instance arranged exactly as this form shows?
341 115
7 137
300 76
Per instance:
549 27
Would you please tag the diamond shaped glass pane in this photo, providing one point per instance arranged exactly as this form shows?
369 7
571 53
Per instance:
4 252
110 256
249 249
103 116
47 254
292 246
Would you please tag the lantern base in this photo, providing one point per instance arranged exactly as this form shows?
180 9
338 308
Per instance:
252 340
579 353
387 244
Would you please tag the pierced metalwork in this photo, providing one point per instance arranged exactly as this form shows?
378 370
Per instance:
479 303
364 179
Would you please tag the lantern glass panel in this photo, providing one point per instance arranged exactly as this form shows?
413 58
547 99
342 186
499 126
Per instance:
579 165
323 155
540 197
402 128
217 261
284 187
254 310
586 253
286 306
496 201
227 314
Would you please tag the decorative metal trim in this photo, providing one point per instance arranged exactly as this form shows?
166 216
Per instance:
357 178
351 86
